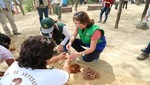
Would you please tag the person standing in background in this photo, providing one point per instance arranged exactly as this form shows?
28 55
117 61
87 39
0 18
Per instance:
125 4
76 5
64 3
106 6
42 7
6 10
116 4
57 7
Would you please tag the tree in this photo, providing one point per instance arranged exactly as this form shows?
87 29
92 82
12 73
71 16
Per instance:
118 14
145 9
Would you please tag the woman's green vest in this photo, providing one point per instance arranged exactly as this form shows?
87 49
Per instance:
88 32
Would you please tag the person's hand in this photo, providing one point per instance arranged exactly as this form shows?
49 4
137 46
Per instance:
75 55
68 60
68 46
62 56
66 66
60 48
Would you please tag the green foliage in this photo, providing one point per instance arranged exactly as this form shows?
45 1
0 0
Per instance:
27 4
28 8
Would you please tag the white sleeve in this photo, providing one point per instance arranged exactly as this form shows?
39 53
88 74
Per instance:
52 2
5 54
64 77
61 2
67 35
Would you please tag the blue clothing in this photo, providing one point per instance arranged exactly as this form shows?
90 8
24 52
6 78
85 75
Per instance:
106 10
3 5
99 46
41 11
64 1
77 45
147 49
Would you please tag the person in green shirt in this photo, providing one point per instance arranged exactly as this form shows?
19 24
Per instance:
91 36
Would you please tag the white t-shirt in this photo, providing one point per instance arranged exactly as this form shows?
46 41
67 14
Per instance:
5 54
22 76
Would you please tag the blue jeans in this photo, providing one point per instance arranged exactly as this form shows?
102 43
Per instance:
77 45
106 10
147 49
41 11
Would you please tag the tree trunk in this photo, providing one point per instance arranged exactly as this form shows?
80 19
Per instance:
118 14
137 2
145 9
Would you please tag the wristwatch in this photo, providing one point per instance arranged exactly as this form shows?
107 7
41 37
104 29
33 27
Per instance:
83 54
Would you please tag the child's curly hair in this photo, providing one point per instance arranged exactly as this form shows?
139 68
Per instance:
35 51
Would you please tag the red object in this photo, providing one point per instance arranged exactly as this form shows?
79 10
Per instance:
107 3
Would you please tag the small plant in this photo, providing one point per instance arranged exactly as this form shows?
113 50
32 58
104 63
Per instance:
28 5
28 8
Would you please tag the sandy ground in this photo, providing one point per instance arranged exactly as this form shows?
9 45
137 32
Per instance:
118 64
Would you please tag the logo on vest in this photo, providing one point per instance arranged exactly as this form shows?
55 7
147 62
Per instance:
87 34
45 26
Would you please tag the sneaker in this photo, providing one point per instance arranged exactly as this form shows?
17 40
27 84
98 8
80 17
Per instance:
103 22
17 33
142 50
143 56
145 20
99 22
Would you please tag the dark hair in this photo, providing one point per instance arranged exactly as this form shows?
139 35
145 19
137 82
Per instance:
34 52
83 18
5 40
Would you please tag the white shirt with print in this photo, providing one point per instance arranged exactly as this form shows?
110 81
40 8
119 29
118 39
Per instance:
22 76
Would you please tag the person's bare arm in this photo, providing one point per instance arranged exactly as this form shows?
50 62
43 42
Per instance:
66 66
72 38
55 59
87 51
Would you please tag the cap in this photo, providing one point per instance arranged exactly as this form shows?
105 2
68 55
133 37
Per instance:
47 25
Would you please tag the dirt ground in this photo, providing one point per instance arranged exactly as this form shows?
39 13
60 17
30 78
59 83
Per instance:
118 64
